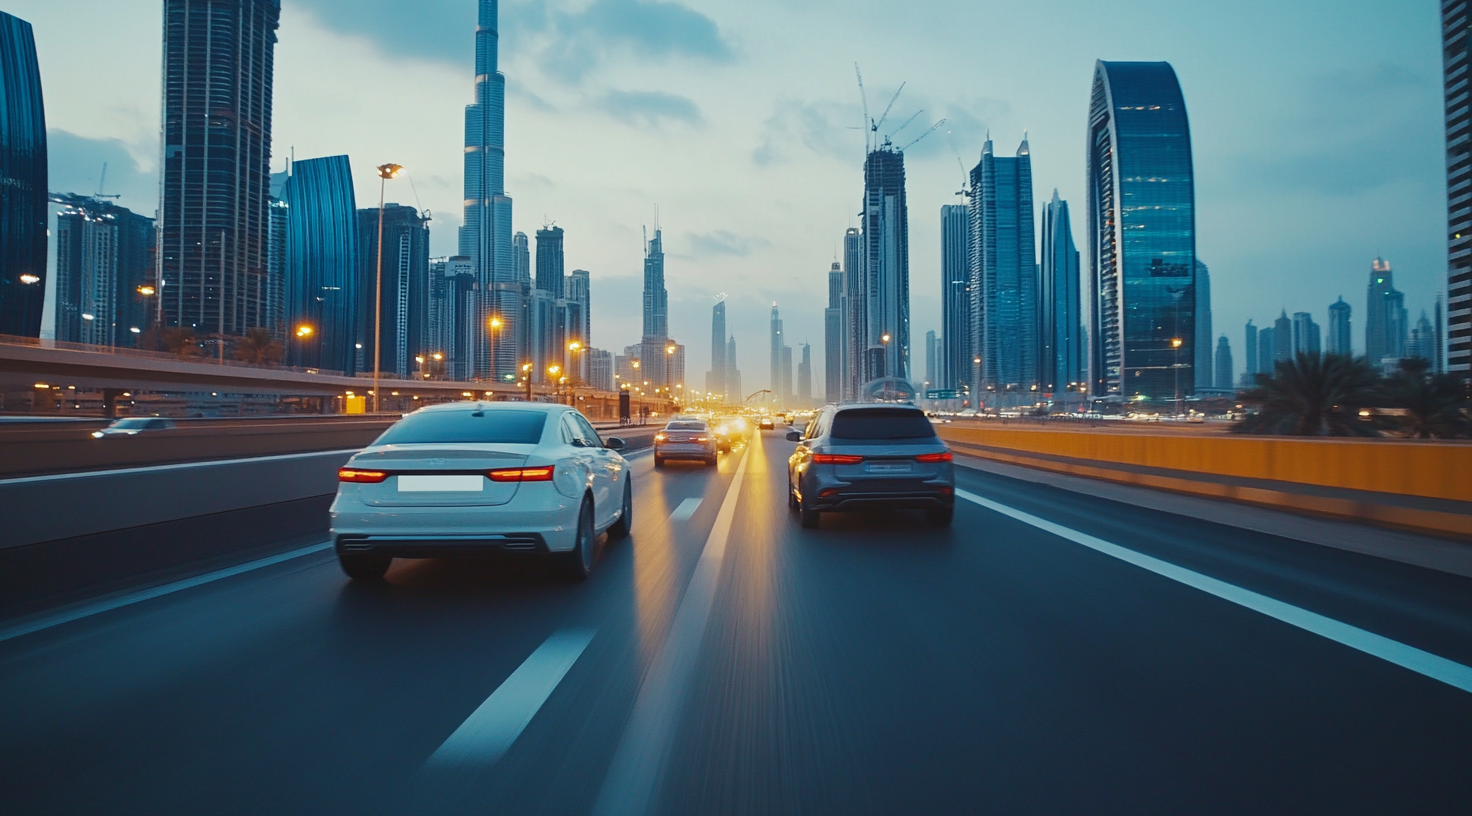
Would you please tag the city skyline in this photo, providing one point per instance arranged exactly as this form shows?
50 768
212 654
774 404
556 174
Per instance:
335 41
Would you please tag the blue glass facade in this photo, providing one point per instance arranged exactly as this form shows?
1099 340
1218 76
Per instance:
1142 234
886 265
1060 357
404 323
322 263
1006 275
22 182
954 366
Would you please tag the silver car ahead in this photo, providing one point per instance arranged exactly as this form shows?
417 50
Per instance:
686 438
471 477
870 457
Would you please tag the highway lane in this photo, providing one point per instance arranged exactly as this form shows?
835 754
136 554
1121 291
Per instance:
871 666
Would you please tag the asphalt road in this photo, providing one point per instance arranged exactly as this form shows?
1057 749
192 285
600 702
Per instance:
724 660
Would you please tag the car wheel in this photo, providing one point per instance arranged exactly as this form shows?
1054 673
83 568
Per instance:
577 563
791 496
625 524
940 516
810 518
364 566
658 461
711 460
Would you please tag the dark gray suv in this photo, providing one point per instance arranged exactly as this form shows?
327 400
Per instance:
870 457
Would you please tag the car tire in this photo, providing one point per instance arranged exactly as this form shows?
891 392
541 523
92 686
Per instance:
791 497
365 567
658 461
577 563
625 524
940 517
711 460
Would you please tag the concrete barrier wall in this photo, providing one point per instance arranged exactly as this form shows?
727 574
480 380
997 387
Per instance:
1427 469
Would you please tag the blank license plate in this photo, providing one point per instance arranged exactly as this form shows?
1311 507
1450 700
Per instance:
887 467
442 484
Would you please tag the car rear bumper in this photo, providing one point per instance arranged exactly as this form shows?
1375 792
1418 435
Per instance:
409 546
859 502
430 532
679 450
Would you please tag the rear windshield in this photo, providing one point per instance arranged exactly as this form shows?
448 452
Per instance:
486 427
882 424
686 426
132 424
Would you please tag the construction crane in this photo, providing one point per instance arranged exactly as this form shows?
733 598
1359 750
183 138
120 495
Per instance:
102 182
913 142
907 122
865 98
888 108
965 176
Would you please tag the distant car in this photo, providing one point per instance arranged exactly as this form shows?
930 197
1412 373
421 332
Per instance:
725 432
766 423
870 457
473 477
132 426
686 439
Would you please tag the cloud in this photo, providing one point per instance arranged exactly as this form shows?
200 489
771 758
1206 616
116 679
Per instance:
651 108
723 242
74 165
566 44
832 129
826 128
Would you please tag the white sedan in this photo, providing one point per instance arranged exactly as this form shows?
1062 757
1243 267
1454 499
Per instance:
472 477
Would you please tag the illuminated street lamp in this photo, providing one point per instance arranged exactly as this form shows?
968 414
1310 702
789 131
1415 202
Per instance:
385 172
1175 344
493 325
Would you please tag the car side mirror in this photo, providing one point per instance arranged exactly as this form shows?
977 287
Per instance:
614 443
794 436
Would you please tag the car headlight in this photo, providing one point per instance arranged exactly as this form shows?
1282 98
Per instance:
97 434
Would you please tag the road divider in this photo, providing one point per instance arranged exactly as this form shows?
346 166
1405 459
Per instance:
1407 657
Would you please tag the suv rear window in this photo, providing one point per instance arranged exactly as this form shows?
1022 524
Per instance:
485 427
880 424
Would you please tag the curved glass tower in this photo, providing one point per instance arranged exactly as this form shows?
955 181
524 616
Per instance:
486 236
1142 235
22 182
322 264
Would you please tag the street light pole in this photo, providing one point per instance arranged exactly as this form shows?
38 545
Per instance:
385 172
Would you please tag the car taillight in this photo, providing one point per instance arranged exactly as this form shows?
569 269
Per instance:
535 474
659 437
361 476
934 457
836 459
702 439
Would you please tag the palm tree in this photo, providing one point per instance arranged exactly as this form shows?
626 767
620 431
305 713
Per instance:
1434 404
259 347
1313 395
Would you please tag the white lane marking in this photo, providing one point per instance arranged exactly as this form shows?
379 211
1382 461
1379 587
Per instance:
686 509
26 628
489 731
1408 657
645 745
178 466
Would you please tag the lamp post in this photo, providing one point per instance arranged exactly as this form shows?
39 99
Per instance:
385 172
526 370
493 325
302 333
1175 344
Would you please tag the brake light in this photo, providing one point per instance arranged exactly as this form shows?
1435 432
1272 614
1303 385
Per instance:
659 437
535 474
361 476
934 457
702 439
836 459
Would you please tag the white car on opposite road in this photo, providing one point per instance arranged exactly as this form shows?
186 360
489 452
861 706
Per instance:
471 477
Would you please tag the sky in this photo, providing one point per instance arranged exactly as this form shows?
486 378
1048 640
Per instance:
1316 127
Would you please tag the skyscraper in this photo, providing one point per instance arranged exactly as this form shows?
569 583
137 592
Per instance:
954 365
1283 338
579 294
550 262
1203 362
1266 350
404 316
600 370
217 87
855 315
1142 233
1340 338
1439 362
1456 35
776 339
1224 372
322 276
1307 336
715 381
931 359
733 373
1250 352
1061 323
833 342
278 222
486 237
788 396
23 211
1385 316
1422 342
103 259
805 377
1007 320
454 318
656 310
886 266
521 254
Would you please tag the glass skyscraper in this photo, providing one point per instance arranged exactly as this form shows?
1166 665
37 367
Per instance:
23 171
833 339
405 313
1204 362
322 264
715 382
1060 325
954 366
1005 276
550 261
1141 234
1456 37
854 317
215 191
886 266
1340 341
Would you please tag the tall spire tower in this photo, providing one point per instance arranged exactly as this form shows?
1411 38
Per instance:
486 236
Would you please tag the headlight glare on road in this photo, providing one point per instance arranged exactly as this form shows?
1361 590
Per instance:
361 476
